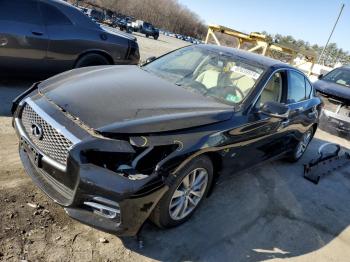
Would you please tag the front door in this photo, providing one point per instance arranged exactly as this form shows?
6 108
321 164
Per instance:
263 137
23 39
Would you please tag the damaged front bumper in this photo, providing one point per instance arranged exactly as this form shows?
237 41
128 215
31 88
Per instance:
91 194
340 123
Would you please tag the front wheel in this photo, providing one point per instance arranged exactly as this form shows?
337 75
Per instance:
185 195
301 147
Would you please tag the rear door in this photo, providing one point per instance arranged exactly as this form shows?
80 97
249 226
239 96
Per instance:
23 38
303 112
63 38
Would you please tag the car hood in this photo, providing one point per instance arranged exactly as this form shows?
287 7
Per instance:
333 89
127 99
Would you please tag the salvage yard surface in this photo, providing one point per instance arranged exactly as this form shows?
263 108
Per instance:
269 212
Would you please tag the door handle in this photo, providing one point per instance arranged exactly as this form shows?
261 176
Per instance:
37 33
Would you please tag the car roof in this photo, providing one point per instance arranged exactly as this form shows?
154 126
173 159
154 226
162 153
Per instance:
345 67
263 61
61 2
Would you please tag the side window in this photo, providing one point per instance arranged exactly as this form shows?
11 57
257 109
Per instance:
273 89
308 89
20 11
53 16
296 87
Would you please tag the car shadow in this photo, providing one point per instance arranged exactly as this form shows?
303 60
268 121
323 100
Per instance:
9 90
267 212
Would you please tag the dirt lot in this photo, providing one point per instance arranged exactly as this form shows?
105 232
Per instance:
269 212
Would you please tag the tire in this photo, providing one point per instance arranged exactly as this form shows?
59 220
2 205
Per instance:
147 35
91 60
155 37
165 216
301 147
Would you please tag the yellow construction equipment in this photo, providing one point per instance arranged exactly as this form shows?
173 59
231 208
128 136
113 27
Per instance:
258 43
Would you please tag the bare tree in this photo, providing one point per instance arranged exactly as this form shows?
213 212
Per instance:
165 14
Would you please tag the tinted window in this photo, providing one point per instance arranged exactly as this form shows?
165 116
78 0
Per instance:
53 16
20 11
296 87
77 17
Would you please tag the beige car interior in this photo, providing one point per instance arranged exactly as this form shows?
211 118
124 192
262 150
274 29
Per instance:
273 90
209 77
212 75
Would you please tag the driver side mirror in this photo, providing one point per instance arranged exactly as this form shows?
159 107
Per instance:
320 76
275 109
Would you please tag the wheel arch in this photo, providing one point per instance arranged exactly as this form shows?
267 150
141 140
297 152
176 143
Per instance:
215 158
94 51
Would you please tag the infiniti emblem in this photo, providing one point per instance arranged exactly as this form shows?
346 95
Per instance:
37 131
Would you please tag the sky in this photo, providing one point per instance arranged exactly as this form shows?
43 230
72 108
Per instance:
309 20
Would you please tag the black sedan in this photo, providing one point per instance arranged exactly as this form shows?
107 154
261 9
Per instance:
117 145
45 37
334 89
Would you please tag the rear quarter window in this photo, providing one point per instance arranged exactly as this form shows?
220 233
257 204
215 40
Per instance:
78 18
53 16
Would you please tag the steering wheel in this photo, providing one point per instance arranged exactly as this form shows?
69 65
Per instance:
226 91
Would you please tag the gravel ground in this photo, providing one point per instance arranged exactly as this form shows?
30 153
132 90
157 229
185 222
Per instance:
268 212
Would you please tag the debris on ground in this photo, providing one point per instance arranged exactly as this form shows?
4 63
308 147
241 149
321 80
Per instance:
32 205
326 163
103 240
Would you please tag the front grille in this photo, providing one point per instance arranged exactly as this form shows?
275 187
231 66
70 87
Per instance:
52 143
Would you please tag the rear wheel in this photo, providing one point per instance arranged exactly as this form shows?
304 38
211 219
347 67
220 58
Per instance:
91 60
301 147
155 37
185 195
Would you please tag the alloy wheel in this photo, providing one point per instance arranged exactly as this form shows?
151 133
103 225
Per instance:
188 194
303 144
